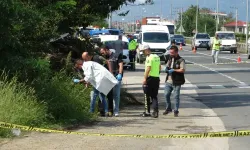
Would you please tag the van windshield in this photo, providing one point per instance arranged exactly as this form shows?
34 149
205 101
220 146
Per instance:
202 36
229 36
155 37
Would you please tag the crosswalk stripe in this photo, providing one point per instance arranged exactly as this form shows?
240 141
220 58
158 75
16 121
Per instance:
217 86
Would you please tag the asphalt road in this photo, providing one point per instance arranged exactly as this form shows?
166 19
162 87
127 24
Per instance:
225 88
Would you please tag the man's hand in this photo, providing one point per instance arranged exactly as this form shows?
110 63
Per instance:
170 71
144 82
119 77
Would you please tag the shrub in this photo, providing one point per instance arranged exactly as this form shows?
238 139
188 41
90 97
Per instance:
67 103
19 104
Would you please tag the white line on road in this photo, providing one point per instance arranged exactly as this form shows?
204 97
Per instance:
217 86
224 75
210 55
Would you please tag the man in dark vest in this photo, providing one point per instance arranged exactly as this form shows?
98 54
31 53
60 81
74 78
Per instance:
175 69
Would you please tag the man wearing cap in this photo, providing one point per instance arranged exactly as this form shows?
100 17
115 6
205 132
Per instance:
151 81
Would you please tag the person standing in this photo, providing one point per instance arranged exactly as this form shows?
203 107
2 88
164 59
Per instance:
175 69
132 51
216 49
151 81
117 71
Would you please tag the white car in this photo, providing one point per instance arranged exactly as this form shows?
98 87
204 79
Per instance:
110 38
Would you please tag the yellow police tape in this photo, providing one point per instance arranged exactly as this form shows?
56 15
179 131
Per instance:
243 62
224 134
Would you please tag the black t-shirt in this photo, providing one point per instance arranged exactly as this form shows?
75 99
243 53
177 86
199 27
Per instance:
99 59
115 62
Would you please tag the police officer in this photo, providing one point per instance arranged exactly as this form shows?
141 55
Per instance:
216 49
132 51
151 81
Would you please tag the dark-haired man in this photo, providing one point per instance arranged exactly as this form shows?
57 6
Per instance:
116 63
175 69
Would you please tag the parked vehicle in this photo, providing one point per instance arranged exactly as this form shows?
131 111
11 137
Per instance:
179 39
228 41
201 40
158 39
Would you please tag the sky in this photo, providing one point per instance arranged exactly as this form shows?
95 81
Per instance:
136 12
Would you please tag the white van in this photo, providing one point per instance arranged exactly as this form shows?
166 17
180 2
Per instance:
228 41
158 39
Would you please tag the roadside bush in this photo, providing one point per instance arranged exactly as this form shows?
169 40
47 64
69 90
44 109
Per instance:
67 103
19 104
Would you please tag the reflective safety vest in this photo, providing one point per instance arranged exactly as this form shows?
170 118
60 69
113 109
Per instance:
132 45
215 46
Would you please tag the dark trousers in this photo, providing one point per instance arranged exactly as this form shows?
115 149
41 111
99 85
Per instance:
110 101
153 84
132 54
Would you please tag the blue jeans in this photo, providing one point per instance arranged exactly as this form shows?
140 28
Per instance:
93 100
116 95
168 90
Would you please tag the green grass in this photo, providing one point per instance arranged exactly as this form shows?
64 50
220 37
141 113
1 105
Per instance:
45 99
19 104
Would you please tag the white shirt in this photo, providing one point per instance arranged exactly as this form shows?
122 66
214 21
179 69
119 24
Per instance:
99 77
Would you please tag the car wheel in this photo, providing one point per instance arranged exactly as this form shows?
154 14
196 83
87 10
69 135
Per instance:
208 48
231 52
235 51
137 59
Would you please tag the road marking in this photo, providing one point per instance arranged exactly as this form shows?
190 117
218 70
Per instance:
217 86
232 69
210 55
224 75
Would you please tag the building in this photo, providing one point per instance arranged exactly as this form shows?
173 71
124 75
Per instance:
221 15
231 26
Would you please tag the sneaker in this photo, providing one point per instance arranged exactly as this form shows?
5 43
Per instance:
176 113
144 114
167 112
116 114
155 114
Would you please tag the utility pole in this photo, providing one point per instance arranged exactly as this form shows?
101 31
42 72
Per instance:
236 24
247 32
196 24
217 17
161 9
205 28
110 17
181 19
171 11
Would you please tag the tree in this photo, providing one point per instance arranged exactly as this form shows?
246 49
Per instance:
188 22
